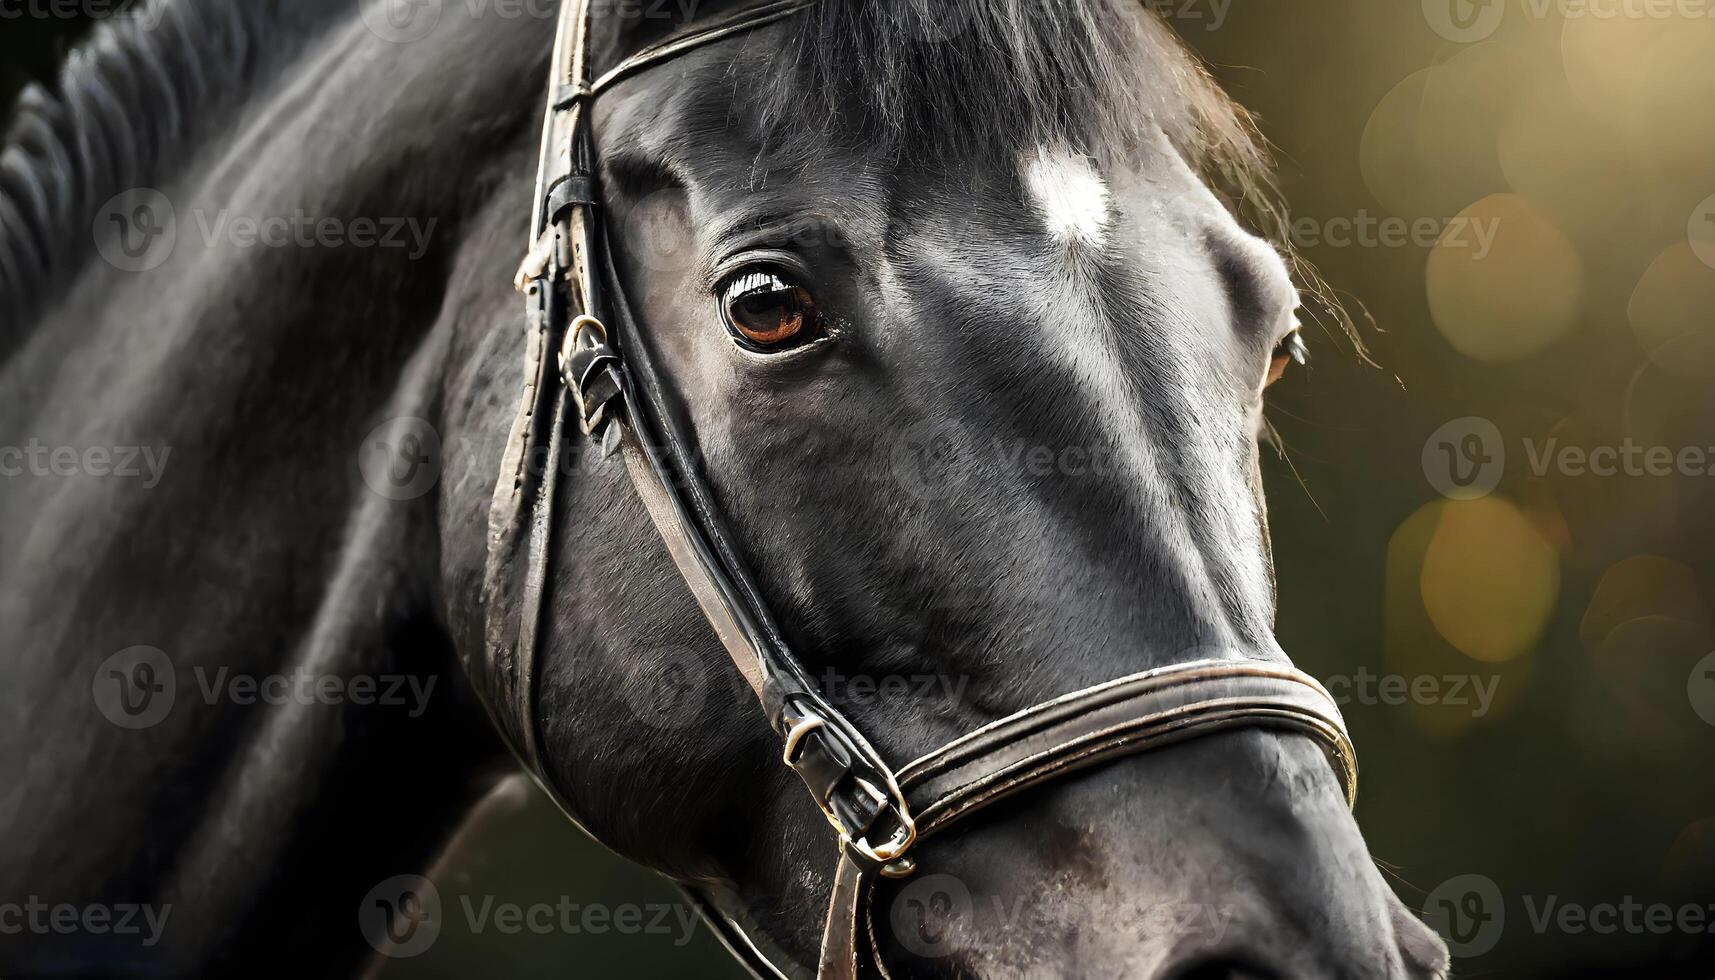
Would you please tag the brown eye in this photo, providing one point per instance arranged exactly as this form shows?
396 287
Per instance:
1291 348
766 312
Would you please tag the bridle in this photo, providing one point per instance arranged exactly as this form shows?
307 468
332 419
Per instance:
585 357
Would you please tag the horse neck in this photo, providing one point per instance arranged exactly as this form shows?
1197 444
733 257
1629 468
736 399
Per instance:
262 556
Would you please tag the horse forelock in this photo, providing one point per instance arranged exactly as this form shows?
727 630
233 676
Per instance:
989 79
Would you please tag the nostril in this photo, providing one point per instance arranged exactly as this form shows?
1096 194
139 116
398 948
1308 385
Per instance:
1221 968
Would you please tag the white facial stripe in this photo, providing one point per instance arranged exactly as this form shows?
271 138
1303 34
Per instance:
1071 195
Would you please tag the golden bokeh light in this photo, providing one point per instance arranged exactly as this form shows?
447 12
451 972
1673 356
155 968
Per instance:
1504 282
1490 579
1416 649
1672 312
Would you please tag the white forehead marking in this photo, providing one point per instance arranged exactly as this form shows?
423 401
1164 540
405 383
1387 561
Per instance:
1071 195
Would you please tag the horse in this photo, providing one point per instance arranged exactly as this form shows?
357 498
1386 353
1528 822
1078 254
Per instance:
958 302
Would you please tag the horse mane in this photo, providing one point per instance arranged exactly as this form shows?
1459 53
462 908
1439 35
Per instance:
128 105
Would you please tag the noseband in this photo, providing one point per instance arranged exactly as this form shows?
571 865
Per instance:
600 373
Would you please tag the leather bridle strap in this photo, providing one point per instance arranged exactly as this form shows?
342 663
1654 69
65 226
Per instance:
623 402
1137 714
605 377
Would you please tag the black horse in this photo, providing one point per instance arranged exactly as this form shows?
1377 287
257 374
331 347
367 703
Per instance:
259 351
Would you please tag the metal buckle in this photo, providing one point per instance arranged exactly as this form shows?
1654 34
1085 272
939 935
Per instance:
888 857
574 339
586 366
809 723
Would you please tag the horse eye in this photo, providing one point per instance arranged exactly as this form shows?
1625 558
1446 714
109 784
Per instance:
1291 348
768 313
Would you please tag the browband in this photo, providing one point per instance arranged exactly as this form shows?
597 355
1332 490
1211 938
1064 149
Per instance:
609 383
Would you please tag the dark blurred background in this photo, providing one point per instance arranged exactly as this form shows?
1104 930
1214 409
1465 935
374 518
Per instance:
1494 530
